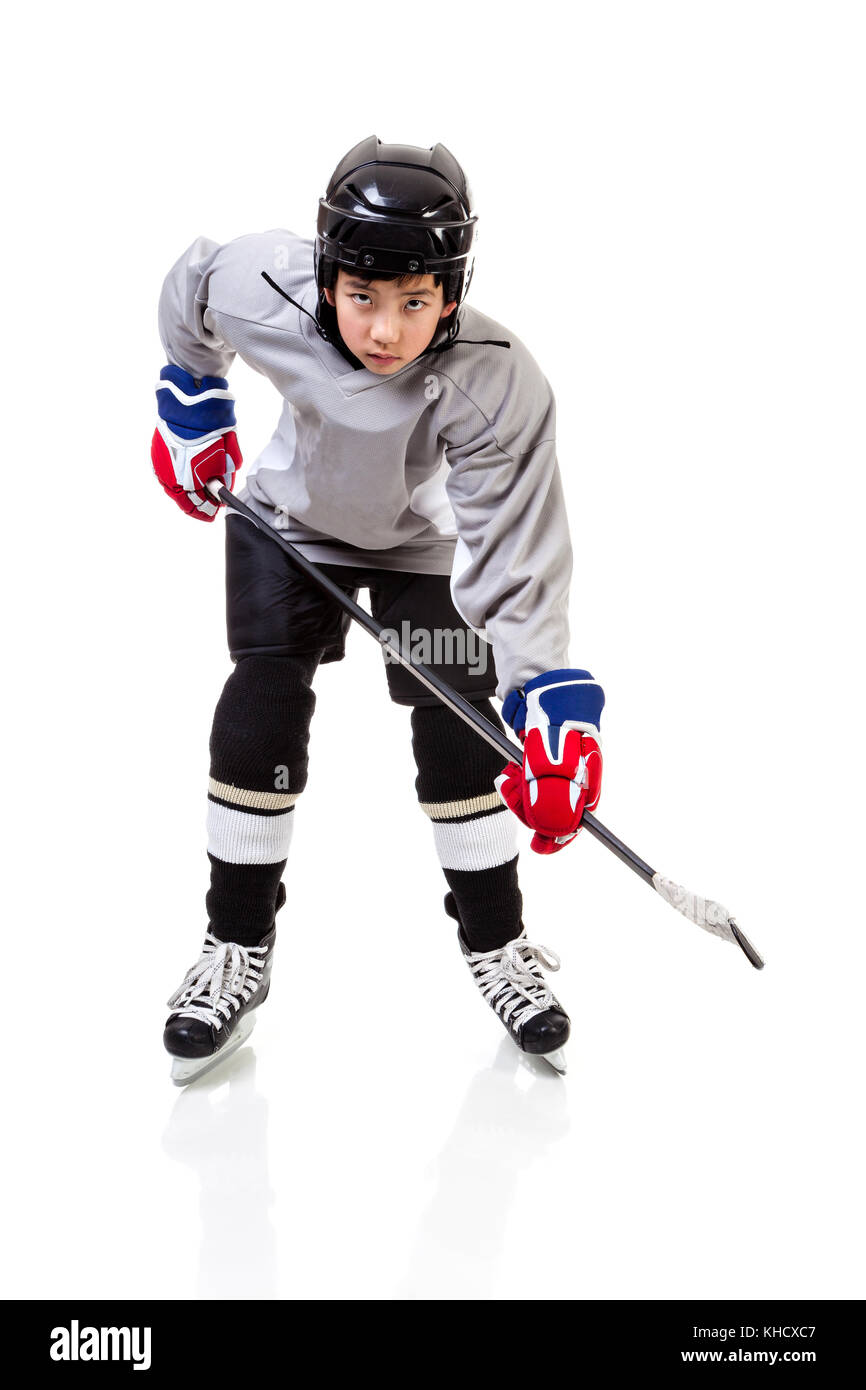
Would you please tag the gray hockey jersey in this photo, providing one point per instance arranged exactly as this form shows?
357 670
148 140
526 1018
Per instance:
448 466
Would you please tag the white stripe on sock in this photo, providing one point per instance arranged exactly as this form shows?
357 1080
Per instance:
477 844
237 837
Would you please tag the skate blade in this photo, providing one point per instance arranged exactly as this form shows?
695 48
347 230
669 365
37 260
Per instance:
556 1060
187 1069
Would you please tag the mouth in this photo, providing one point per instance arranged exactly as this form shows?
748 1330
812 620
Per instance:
383 357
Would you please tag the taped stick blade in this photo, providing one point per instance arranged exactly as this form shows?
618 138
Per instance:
706 913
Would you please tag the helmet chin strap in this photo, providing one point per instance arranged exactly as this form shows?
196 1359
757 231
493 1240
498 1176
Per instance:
322 332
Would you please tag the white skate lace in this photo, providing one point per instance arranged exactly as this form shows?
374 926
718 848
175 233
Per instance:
511 981
226 975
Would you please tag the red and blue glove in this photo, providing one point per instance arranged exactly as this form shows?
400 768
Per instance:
557 718
195 439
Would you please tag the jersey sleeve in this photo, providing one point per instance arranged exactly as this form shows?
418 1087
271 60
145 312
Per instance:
513 561
183 305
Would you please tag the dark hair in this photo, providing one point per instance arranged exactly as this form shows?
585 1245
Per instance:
401 277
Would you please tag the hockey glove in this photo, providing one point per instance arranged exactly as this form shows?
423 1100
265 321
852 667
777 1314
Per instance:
194 440
556 717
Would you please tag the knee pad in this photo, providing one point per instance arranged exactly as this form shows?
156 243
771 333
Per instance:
258 752
454 763
261 725
472 827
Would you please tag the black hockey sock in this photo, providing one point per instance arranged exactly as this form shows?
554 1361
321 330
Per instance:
489 902
242 900
474 832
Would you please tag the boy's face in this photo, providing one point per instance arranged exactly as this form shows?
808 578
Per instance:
386 324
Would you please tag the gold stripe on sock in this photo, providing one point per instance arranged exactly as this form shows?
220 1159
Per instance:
447 810
261 801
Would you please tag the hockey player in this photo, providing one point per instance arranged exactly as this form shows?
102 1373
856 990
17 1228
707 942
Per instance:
415 456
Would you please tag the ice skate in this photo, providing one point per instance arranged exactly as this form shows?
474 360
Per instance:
212 1012
511 981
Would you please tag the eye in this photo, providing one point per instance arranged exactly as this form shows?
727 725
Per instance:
359 295
418 303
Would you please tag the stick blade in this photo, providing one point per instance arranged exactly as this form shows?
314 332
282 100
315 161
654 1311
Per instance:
708 914
745 945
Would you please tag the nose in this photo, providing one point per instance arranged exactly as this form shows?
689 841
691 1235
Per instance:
384 328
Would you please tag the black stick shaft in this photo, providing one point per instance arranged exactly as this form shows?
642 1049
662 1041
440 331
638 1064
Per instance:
511 752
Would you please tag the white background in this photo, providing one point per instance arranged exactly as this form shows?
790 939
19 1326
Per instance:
672 218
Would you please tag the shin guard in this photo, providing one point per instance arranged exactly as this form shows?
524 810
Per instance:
474 833
258 770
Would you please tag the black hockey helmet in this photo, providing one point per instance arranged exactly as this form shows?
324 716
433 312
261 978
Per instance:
398 209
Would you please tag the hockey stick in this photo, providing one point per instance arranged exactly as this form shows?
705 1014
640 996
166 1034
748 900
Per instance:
704 912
